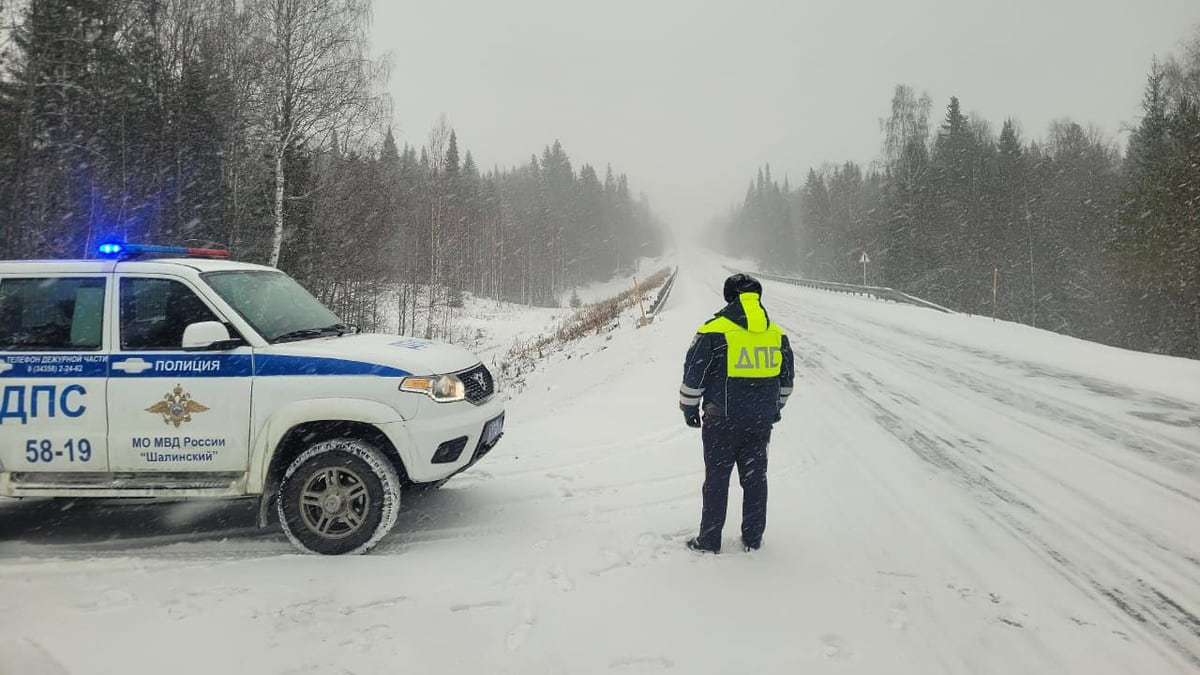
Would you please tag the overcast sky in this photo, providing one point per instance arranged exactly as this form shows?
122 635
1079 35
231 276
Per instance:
689 97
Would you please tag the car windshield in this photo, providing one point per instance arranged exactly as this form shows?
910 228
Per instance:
275 305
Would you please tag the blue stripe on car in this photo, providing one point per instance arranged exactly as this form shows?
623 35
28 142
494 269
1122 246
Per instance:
77 365
175 365
266 365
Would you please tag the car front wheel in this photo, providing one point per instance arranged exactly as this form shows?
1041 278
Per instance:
339 497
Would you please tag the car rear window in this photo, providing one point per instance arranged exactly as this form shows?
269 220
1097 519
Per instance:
52 314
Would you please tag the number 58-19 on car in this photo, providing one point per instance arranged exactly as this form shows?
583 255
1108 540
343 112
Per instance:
43 450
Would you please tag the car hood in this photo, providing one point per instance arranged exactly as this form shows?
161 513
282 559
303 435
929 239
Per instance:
365 354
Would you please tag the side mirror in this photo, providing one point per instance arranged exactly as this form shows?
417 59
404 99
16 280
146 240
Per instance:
208 335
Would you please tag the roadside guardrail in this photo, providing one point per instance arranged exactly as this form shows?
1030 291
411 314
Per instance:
664 292
879 292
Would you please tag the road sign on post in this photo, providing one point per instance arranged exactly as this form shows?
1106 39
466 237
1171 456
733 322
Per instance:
864 259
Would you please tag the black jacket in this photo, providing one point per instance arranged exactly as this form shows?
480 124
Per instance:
754 402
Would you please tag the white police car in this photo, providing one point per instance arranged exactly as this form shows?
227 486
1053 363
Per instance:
195 376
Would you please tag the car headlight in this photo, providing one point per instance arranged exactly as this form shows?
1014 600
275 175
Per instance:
441 388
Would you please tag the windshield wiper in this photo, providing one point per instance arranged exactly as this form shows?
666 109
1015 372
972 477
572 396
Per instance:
338 329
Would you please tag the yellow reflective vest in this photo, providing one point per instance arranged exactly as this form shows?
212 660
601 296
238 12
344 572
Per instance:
754 351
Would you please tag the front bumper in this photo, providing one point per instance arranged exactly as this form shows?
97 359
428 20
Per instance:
436 424
486 443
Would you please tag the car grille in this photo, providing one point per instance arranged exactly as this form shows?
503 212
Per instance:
478 383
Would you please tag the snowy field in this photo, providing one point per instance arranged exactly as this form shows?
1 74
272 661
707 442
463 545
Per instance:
948 495
602 291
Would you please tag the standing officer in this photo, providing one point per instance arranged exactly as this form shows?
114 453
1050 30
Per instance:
740 367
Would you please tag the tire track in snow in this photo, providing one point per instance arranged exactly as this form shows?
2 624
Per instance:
1096 565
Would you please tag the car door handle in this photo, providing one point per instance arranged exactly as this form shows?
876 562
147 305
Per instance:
5 366
134 365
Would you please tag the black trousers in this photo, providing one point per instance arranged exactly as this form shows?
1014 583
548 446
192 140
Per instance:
727 443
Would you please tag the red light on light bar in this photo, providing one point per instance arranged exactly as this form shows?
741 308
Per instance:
209 252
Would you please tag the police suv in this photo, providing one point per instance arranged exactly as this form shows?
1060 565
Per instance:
195 376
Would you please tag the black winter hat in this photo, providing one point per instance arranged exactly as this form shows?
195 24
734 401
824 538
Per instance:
741 283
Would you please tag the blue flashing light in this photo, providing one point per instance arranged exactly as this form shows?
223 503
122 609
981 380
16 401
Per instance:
116 250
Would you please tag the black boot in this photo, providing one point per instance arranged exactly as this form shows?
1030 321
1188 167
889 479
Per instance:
751 547
694 544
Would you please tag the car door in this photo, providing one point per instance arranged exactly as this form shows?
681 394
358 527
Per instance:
170 409
53 372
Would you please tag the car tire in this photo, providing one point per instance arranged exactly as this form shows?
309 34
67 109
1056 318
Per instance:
338 497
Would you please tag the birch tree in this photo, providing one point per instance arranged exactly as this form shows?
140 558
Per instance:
316 80
439 138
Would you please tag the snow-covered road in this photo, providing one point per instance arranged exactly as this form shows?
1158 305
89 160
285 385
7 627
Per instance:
948 495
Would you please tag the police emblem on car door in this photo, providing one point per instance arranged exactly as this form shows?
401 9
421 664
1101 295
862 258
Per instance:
177 407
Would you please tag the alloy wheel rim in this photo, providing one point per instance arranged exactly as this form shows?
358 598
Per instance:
334 502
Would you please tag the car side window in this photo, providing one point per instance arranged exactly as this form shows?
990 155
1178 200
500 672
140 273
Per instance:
52 314
155 312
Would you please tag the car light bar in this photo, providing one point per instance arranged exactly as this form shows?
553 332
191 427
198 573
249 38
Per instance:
116 250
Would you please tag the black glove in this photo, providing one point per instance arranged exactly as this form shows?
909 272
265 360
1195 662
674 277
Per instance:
691 415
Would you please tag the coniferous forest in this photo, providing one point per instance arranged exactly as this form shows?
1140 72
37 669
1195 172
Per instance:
260 126
1083 238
